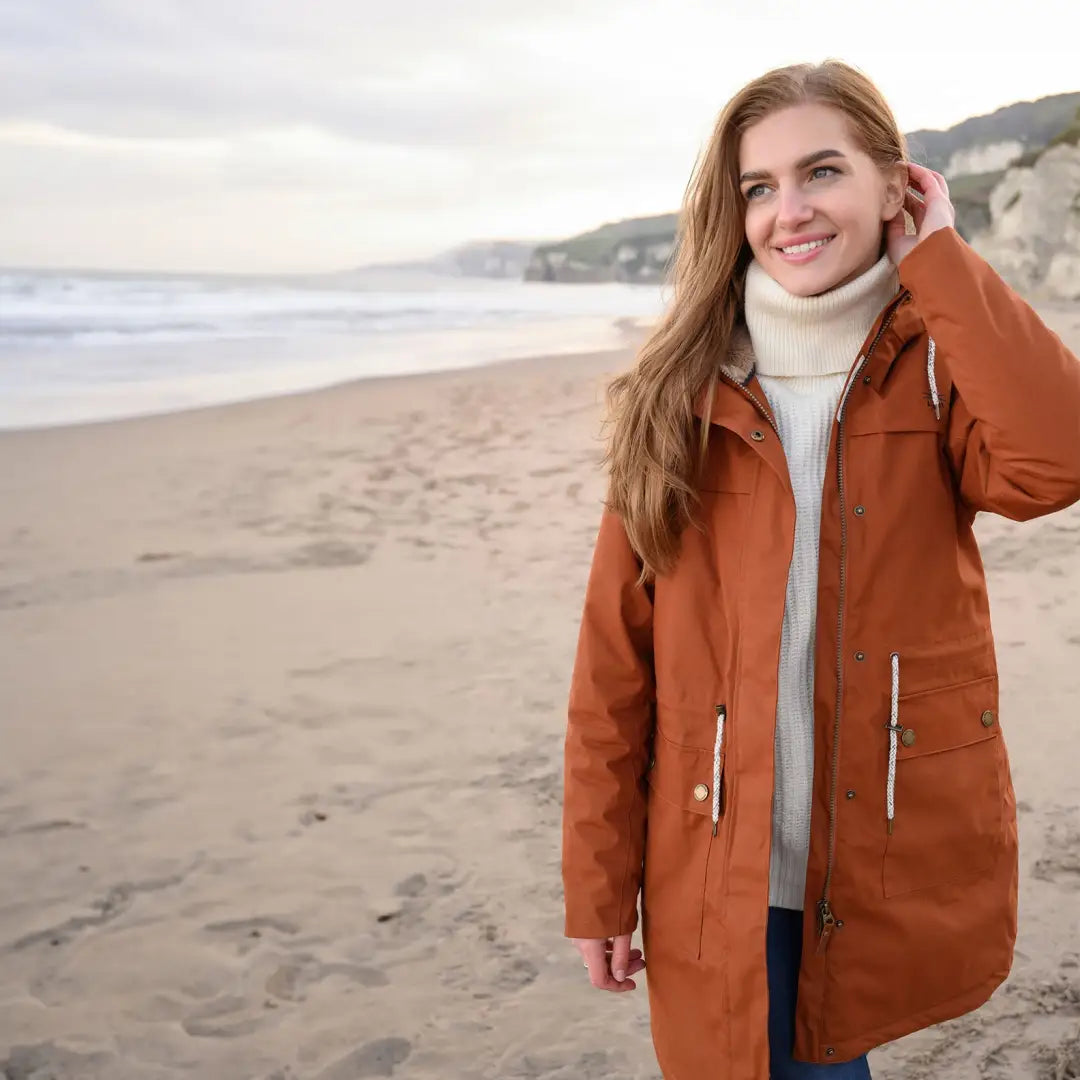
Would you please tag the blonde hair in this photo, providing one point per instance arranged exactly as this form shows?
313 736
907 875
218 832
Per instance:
656 449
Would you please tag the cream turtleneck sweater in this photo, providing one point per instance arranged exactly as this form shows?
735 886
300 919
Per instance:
804 348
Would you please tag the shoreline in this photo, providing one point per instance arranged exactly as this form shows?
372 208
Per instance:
631 330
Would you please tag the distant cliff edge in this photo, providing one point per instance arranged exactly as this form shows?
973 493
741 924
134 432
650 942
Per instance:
974 155
1014 178
477 258
1032 237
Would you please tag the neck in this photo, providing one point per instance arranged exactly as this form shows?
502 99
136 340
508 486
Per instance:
814 335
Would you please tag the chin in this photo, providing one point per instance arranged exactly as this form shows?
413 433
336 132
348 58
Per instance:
810 285
811 281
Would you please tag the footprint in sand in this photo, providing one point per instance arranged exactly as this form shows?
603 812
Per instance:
42 1061
255 923
247 934
111 906
1060 1062
51 825
226 1017
1060 862
378 1058
290 980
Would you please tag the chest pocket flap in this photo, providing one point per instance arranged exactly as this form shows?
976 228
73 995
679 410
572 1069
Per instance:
905 401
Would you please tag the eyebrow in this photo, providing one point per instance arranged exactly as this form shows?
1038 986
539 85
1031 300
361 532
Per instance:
802 163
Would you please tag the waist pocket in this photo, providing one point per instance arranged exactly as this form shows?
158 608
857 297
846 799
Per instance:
943 798
684 824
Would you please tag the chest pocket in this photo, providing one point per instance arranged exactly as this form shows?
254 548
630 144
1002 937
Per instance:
905 408
905 402
730 466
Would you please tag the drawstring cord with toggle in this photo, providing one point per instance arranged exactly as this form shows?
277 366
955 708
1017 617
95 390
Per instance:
894 729
721 716
931 378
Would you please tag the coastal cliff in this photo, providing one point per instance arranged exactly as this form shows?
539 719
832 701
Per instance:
1033 236
975 155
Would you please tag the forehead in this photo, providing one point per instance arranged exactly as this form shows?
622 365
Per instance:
783 137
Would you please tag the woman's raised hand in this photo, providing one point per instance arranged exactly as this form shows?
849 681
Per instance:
611 962
933 211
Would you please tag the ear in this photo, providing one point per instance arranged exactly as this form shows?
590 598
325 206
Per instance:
895 191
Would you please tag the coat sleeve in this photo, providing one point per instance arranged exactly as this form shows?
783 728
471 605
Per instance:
609 725
1014 422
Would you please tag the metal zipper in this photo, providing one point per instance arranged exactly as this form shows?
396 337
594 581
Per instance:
826 918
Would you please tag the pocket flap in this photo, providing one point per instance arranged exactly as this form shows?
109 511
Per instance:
683 775
907 407
948 717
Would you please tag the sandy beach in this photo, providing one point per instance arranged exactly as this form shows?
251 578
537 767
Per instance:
282 693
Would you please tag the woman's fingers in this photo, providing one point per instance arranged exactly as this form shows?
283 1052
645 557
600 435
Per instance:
916 207
600 957
931 184
620 956
926 199
594 953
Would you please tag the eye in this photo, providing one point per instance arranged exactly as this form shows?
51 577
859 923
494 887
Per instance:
823 169
750 190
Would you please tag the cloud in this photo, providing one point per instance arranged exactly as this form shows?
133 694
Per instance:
324 133
405 74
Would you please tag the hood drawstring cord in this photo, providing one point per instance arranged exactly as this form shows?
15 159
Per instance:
721 714
895 727
931 350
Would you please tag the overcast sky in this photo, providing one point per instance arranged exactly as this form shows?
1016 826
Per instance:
275 135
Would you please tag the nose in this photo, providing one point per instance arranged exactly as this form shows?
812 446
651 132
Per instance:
793 209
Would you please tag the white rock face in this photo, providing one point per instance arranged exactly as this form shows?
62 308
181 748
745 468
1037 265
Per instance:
983 159
1034 236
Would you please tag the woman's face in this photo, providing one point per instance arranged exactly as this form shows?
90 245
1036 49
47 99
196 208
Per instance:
805 182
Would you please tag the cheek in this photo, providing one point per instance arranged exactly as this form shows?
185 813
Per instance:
856 212
757 227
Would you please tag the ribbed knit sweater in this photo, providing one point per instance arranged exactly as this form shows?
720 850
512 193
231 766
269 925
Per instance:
804 348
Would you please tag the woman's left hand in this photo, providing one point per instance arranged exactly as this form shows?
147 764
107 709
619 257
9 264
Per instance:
932 212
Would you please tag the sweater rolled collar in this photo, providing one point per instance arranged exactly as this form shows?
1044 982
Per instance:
800 336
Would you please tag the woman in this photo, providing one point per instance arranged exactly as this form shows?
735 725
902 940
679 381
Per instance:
783 724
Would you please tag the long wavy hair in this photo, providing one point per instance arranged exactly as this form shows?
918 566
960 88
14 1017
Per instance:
656 449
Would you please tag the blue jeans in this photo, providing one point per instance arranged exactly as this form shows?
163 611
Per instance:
784 952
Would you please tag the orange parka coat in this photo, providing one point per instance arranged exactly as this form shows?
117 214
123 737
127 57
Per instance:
961 400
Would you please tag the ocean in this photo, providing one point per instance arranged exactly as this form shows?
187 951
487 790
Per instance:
85 346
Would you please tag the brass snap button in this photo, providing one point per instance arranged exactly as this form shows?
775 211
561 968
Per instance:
988 718
908 736
860 655
860 510
701 792
866 379
757 436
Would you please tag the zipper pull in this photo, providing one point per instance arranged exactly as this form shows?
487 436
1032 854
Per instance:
826 923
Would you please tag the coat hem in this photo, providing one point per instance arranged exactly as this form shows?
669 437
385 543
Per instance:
939 1012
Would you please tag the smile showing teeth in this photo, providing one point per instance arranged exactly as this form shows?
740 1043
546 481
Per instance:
798 249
